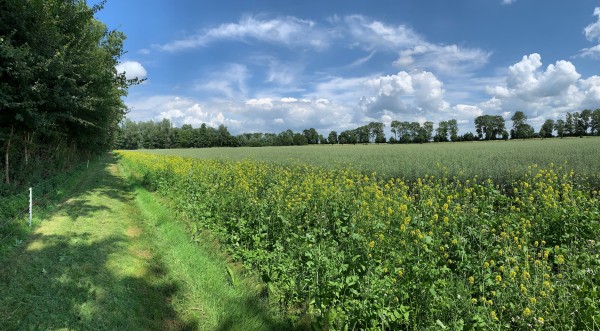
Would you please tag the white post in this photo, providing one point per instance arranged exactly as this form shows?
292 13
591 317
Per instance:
30 205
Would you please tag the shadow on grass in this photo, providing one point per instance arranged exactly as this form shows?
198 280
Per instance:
67 284
66 280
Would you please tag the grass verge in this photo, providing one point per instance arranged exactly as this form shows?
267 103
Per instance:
110 257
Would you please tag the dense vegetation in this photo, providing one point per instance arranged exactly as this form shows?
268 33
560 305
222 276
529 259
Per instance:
350 250
60 94
502 161
162 135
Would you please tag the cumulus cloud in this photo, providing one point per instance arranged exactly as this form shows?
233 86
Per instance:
406 93
251 115
289 31
527 82
132 70
179 110
543 92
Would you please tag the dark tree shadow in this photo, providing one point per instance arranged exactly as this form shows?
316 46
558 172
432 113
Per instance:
66 282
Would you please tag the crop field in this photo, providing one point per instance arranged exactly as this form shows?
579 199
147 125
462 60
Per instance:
502 161
349 250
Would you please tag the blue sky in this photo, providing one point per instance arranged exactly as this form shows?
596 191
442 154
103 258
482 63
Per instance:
267 66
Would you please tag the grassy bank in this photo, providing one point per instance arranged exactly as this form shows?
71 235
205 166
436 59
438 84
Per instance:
110 257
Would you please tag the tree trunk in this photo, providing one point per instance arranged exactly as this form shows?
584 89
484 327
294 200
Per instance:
6 158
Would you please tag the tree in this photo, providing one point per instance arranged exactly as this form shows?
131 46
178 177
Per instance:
489 127
570 126
300 139
453 129
585 121
376 133
348 137
332 138
312 137
395 127
559 126
595 122
442 132
362 134
58 82
547 128
521 130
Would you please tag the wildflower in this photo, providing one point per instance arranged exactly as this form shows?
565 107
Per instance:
471 280
498 279
527 312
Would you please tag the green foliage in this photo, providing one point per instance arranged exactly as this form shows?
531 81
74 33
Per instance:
353 251
60 94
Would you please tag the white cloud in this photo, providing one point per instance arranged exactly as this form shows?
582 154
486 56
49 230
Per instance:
264 103
179 110
538 92
415 52
229 81
406 93
525 80
289 31
592 52
372 35
592 31
508 2
448 59
132 69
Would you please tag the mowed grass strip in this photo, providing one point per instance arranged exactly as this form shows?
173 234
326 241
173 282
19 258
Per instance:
503 161
110 259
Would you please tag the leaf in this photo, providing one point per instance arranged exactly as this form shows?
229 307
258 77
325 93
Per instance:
438 322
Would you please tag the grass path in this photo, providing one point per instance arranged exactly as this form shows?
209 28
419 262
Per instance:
111 258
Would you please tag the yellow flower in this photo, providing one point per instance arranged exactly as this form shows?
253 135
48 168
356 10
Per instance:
527 312
533 300
471 280
371 244
498 279
493 315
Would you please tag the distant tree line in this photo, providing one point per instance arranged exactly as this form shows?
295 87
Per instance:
149 135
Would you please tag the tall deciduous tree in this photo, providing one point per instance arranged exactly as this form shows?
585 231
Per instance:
547 128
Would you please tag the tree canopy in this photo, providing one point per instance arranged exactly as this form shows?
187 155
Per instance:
60 94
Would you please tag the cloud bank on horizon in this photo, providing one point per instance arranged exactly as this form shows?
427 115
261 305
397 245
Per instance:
269 72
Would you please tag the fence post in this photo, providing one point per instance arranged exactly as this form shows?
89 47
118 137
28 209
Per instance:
30 205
